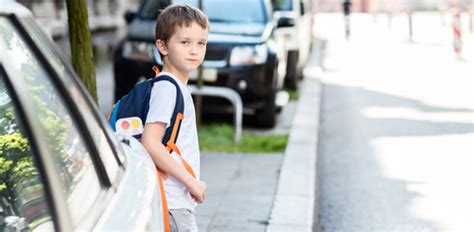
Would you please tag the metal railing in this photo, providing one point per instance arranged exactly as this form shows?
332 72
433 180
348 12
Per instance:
228 94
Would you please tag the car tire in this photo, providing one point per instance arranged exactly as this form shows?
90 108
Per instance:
266 116
292 72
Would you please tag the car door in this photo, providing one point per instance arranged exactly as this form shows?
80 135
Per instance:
62 169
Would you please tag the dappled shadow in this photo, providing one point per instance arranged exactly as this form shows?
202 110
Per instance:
355 194
385 100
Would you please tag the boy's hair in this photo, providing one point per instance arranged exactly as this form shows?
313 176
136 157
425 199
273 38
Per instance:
178 15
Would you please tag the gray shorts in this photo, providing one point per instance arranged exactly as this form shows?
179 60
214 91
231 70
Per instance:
182 220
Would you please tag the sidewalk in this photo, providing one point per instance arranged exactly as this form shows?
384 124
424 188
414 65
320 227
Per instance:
241 189
268 192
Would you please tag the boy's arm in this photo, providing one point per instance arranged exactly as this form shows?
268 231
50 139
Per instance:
151 140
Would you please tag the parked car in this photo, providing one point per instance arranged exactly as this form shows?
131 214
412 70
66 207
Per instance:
61 167
242 53
295 24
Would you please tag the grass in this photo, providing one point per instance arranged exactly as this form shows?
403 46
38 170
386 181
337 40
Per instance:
294 95
219 138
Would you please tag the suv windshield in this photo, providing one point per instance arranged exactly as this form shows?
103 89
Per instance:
228 11
284 5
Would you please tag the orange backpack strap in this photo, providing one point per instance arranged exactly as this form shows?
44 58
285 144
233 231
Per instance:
171 147
110 114
166 216
156 70
161 175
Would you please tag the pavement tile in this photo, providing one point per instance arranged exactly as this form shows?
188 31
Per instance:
241 188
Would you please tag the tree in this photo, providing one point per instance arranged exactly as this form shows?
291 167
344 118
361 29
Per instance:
81 44
19 177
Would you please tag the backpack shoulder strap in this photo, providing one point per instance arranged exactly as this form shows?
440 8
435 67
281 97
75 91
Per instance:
172 132
169 140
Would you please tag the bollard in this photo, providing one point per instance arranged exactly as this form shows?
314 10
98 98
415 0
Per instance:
457 43
410 25
471 26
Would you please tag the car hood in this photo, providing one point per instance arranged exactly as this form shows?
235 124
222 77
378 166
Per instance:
248 33
239 33
141 30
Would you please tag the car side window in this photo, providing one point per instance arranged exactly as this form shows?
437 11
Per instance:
285 5
75 166
23 202
106 151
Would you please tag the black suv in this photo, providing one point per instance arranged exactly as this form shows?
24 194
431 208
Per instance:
242 53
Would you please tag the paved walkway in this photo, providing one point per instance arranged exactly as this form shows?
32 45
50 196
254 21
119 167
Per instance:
241 189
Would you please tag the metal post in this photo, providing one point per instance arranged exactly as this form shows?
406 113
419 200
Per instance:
389 19
471 12
410 25
457 41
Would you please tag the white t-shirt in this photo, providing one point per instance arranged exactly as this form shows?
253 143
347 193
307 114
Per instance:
162 103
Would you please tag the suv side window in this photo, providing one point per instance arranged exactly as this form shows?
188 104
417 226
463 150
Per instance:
23 202
75 167
285 5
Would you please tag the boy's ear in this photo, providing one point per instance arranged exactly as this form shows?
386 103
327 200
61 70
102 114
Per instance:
162 47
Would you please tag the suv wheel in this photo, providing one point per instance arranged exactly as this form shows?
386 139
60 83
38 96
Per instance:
292 74
266 116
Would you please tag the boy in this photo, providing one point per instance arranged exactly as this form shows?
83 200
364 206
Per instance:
181 37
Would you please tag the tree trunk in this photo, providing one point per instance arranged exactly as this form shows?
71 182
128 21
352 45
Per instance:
81 44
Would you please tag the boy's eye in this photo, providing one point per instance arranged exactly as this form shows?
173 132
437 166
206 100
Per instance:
185 42
202 43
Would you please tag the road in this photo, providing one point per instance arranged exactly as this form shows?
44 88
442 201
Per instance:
397 126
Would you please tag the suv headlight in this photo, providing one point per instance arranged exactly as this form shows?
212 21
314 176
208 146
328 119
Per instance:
244 55
135 50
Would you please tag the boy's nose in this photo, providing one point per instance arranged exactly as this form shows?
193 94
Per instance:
194 49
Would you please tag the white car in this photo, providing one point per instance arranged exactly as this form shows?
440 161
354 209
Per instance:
61 166
294 19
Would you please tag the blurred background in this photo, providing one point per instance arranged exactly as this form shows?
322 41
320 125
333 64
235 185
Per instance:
108 25
396 134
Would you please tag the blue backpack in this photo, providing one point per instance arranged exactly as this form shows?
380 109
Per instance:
129 113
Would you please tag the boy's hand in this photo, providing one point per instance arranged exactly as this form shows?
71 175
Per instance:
197 189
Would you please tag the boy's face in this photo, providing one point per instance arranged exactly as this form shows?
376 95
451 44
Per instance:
185 50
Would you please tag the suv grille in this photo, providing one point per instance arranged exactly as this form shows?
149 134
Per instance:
216 53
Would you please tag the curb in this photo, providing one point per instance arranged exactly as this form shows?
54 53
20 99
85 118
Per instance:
293 206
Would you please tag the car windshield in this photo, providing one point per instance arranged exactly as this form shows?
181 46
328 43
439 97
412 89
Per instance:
227 11
282 5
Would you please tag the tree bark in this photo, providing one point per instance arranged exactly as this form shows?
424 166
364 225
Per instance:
81 44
